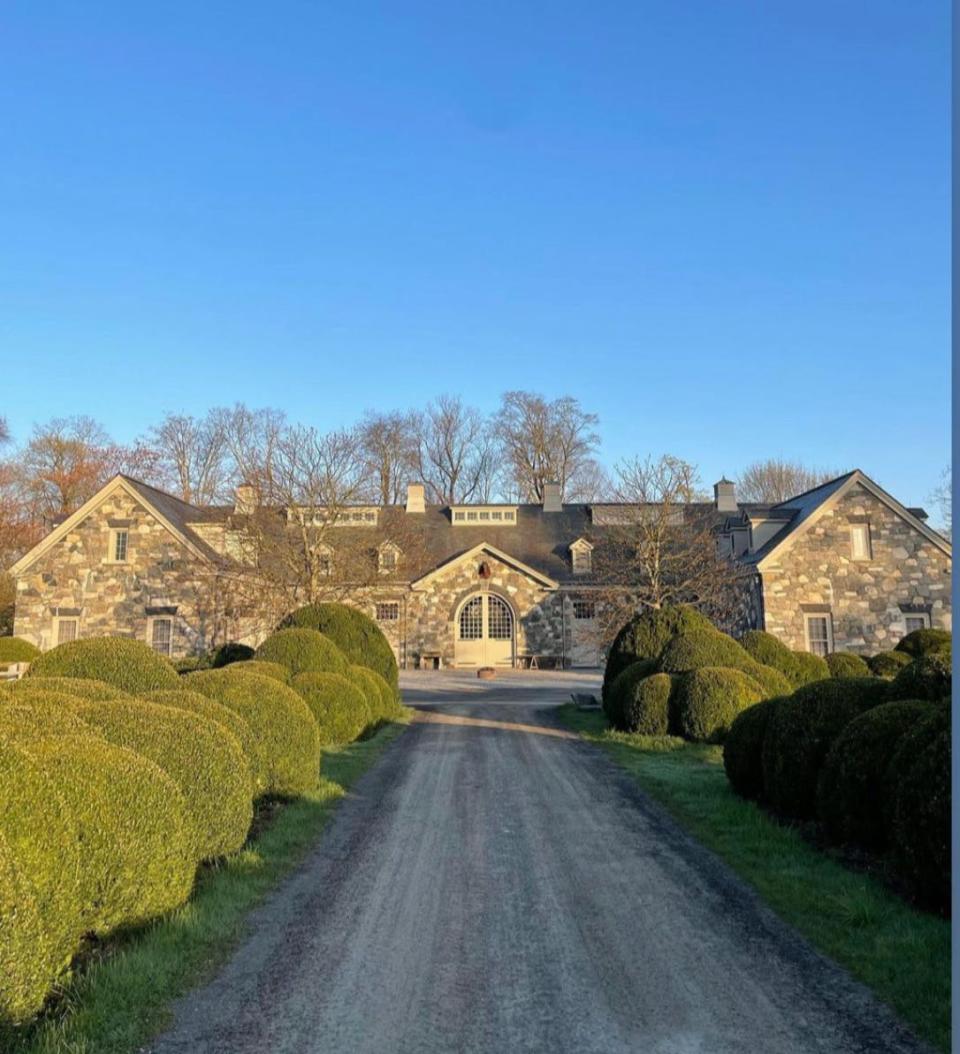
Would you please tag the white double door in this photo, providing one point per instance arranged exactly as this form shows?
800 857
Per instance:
484 632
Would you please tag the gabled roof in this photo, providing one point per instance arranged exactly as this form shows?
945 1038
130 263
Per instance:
806 508
170 512
498 554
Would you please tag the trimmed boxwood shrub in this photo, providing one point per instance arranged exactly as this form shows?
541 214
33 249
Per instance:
42 834
743 748
923 641
772 681
127 664
16 649
708 700
278 717
207 765
852 790
359 638
800 733
888 663
646 704
799 667
928 677
621 686
337 704
700 649
809 668
362 677
26 974
230 720
42 714
302 651
846 664
646 635
263 668
78 687
137 858
230 653
919 775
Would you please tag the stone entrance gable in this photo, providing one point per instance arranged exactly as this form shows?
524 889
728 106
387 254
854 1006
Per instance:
436 599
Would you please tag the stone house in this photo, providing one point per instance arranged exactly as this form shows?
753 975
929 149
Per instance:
843 567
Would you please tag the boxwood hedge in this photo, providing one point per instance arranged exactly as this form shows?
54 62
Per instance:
743 748
127 664
645 703
16 649
137 858
852 792
617 689
800 733
359 638
888 663
265 669
923 641
79 687
699 649
708 700
928 677
41 714
337 704
41 832
302 651
846 664
206 763
278 717
798 667
809 668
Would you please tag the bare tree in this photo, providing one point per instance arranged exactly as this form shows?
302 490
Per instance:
660 545
5 436
544 441
251 438
942 497
192 456
774 480
389 446
454 455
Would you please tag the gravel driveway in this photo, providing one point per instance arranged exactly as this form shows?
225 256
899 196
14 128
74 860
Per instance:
496 889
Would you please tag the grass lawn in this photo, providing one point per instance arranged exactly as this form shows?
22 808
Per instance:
902 954
121 998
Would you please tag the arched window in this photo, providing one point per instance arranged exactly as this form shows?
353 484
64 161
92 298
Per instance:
471 620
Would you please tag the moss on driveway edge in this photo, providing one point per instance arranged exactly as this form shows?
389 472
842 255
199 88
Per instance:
121 998
902 954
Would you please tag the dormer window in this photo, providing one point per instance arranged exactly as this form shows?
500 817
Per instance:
388 558
581 557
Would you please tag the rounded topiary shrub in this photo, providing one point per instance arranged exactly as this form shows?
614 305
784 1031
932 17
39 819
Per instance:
852 790
799 668
41 832
231 722
136 841
78 687
359 638
800 733
923 641
206 763
743 748
888 663
646 635
645 703
278 717
700 649
263 668
302 651
773 682
26 974
15 649
337 704
230 653
617 689
846 664
919 777
708 700
127 664
808 668
41 714
928 677
379 695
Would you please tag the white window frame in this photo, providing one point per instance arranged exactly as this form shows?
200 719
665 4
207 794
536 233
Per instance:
860 530
382 606
827 617
152 621
115 533
58 621
581 557
923 615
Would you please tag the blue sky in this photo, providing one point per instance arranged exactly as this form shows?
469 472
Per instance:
724 226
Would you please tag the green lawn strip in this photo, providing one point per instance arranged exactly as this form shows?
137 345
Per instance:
118 1002
902 954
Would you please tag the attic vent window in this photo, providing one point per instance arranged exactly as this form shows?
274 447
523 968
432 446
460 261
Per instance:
484 570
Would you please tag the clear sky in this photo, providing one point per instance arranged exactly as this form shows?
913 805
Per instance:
722 225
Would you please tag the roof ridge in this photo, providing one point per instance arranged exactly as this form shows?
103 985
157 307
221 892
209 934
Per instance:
819 486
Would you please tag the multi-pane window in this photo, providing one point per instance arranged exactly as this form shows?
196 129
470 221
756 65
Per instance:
509 514
161 635
582 560
388 611
916 621
471 620
459 516
388 558
819 634
499 620
67 630
860 541
584 609
118 547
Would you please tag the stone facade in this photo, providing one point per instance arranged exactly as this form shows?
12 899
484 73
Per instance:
867 599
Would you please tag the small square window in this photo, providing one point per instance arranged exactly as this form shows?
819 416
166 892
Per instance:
471 515
161 635
484 515
508 515
584 609
388 612
459 516
496 515
915 621
819 634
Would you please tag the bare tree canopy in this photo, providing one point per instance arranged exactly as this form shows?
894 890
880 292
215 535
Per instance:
545 442
5 436
389 446
774 480
454 455
191 456
942 497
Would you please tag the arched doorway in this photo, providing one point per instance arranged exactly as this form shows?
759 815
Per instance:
484 631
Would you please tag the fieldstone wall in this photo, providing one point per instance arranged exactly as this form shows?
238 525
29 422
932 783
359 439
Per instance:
112 599
867 599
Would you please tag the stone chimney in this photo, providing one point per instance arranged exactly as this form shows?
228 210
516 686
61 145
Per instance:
415 499
724 496
551 498
245 499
